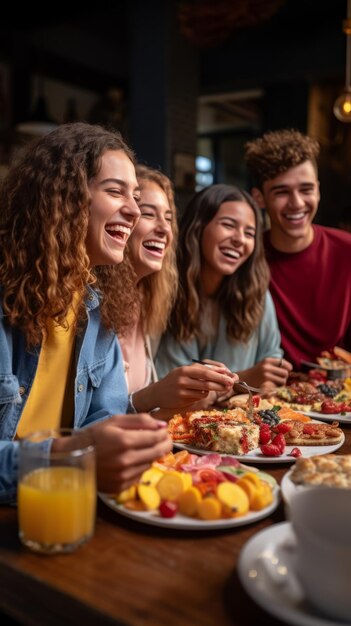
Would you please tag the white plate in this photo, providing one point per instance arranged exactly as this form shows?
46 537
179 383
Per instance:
288 488
181 522
256 456
266 571
343 418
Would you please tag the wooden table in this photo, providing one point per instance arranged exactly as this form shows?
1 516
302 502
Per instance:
133 574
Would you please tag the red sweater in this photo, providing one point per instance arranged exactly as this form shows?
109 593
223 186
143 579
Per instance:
312 294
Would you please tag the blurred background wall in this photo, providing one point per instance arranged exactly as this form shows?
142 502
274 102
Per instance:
187 82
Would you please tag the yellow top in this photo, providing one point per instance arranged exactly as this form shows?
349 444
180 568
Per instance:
50 403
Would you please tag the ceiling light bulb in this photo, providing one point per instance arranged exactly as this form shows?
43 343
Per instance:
342 107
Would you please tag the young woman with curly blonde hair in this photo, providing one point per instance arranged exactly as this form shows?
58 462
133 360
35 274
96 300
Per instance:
151 252
223 310
67 209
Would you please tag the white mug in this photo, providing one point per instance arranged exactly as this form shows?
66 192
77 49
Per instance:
321 520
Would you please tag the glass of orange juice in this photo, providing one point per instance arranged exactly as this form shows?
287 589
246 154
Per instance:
56 494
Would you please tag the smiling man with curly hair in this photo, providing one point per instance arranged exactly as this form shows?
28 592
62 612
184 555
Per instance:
310 264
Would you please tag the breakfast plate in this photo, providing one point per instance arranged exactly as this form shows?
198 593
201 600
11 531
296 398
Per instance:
182 522
256 456
266 571
343 418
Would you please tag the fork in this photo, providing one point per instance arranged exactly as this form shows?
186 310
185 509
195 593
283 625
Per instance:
238 382
250 387
250 406
242 383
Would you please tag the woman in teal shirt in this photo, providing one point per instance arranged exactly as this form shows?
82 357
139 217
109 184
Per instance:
223 310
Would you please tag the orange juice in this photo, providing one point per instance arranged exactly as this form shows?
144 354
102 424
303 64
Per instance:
56 505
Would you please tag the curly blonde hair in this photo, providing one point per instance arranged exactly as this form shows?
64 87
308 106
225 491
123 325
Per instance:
45 208
277 151
241 295
157 291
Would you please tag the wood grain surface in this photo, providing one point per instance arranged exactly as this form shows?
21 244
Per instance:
131 574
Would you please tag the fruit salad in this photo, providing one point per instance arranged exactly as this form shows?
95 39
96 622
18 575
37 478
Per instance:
207 487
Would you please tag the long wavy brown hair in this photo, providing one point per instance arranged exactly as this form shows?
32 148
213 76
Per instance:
157 291
44 214
241 295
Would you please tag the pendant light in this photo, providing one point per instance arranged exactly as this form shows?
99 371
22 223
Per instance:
342 105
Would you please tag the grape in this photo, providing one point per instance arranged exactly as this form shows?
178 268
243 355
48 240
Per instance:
168 508
270 417
327 390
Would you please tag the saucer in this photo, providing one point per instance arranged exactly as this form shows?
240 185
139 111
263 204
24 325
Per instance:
266 571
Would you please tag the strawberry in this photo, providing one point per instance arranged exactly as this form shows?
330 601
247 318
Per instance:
245 443
295 452
282 428
265 434
256 400
269 449
279 441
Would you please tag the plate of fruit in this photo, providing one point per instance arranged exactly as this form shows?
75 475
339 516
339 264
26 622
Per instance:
189 492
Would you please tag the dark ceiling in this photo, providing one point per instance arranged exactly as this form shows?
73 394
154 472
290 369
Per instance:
91 47
127 43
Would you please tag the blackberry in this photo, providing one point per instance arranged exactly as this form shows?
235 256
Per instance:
270 417
327 390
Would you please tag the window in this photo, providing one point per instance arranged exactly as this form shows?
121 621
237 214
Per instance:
204 175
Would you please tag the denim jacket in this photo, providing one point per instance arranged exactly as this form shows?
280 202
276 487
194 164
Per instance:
100 387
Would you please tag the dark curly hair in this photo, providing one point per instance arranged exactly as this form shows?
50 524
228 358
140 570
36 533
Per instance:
44 214
241 295
277 151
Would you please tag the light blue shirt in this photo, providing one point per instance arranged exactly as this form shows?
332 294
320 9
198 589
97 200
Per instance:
100 387
237 356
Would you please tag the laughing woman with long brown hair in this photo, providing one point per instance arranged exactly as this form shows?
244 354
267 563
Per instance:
223 310
151 256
